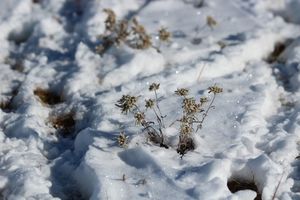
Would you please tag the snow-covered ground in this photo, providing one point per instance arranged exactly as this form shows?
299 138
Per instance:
250 141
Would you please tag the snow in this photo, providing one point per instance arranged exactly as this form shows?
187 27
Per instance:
252 135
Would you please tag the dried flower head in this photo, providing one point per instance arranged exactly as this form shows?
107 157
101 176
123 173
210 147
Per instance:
110 21
215 89
186 119
122 31
126 103
154 86
190 106
211 22
149 103
139 118
106 43
203 100
182 92
142 39
137 28
144 42
122 139
164 35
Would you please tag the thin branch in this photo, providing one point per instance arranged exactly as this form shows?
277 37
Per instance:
277 187
201 71
158 118
206 113
161 116
177 120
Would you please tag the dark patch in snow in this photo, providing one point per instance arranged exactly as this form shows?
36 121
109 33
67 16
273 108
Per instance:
22 34
7 105
64 123
237 185
47 97
138 158
278 49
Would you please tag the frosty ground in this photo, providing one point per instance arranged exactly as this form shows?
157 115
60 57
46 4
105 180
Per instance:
250 139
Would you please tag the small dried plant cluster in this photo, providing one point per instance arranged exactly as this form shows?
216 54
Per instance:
211 22
193 115
191 109
122 140
154 129
130 33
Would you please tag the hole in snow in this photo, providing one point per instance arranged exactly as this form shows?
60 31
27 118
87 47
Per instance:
64 123
196 3
7 104
196 41
47 97
278 50
235 185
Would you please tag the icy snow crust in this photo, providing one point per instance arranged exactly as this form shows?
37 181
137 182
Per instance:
252 134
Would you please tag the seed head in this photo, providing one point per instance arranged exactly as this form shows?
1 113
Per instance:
137 28
154 86
139 118
211 22
122 31
164 35
110 21
142 38
122 139
126 103
186 120
203 100
215 89
185 129
190 106
182 92
149 103
144 42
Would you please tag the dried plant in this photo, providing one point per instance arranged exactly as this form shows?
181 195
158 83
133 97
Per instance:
122 31
182 92
126 103
215 89
154 86
194 113
164 35
110 21
141 39
122 140
154 130
211 22
190 117
116 32
130 33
